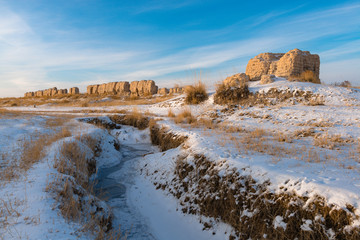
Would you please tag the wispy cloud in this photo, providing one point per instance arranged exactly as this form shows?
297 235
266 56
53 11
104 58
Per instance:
161 5
27 62
351 47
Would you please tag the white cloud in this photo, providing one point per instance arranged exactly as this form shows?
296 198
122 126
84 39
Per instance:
347 48
26 60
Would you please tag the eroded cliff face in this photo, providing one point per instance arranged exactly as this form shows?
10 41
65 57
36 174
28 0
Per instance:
289 64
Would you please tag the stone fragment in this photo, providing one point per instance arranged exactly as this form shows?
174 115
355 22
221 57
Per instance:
266 79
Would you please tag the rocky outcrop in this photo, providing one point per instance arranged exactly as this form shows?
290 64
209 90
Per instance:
236 80
289 64
74 90
266 79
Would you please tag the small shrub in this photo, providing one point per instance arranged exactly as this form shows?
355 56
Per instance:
343 84
196 94
306 76
170 113
206 123
185 116
228 95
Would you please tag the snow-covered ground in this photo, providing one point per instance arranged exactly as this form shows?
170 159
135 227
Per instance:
324 162
27 210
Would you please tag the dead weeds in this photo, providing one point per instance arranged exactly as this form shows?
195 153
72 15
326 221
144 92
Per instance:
251 208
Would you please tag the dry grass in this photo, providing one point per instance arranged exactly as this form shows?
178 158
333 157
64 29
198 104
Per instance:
32 149
170 113
329 141
134 118
346 84
306 76
73 161
250 207
307 132
316 101
206 123
185 116
163 138
281 137
82 100
75 192
231 95
196 93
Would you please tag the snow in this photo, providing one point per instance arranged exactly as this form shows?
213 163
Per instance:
278 222
306 225
165 221
32 214
330 173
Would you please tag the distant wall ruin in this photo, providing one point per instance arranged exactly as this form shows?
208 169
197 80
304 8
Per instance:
51 92
164 91
121 88
135 88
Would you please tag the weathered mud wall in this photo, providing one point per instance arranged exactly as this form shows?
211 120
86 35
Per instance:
52 92
289 64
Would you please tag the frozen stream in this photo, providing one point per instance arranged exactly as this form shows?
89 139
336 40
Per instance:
139 209
113 186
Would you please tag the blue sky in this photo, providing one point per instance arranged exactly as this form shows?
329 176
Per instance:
75 43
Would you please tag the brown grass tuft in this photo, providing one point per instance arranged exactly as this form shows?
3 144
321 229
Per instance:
306 76
230 95
250 207
170 113
196 94
185 116
134 118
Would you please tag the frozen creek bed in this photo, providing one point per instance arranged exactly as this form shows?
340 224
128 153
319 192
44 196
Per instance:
141 211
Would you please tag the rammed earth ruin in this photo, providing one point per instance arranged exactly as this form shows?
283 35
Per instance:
264 67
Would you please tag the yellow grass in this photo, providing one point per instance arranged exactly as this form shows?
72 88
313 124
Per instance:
196 93
185 116
82 100
306 76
